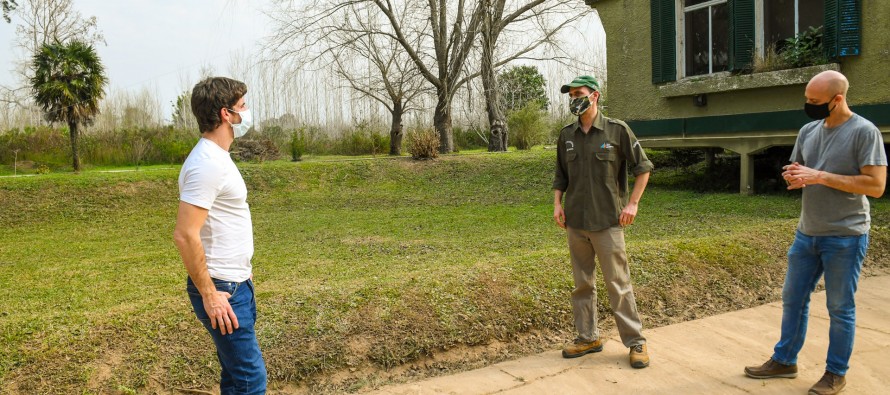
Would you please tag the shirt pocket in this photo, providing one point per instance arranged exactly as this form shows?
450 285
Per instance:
608 156
571 156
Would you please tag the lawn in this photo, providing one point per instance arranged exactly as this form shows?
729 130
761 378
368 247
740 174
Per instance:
364 269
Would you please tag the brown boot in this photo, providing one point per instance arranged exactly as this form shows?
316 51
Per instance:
829 384
771 369
639 356
580 347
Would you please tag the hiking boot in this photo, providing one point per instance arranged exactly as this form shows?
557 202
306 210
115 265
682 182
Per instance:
580 347
639 356
828 385
771 369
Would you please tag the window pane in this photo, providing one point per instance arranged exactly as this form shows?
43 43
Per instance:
812 13
720 37
697 42
778 18
689 3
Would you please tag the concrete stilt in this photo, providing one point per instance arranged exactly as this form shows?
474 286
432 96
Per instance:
746 178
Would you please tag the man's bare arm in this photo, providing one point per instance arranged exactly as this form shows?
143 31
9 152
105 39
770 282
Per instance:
187 237
871 181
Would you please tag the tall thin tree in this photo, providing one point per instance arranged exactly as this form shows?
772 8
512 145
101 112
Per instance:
538 22
447 34
68 83
350 40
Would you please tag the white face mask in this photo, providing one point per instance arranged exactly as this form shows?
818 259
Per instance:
241 129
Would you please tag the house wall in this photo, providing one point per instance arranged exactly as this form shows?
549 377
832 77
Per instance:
631 95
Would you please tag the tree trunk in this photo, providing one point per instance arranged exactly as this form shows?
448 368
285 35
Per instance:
395 131
75 157
497 123
442 121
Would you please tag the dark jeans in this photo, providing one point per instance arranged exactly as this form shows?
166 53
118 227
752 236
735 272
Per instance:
243 369
839 258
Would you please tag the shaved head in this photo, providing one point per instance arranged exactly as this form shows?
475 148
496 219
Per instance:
830 82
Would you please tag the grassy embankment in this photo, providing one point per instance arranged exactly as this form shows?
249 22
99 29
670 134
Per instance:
363 269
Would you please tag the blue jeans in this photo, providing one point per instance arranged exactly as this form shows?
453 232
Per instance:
243 369
840 259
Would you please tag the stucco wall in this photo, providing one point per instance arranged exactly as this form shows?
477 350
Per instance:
632 96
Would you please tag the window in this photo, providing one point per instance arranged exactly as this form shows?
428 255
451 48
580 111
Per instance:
706 36
700 37
783 19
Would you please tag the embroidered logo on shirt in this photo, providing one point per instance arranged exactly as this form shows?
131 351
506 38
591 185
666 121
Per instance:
570 146
607 146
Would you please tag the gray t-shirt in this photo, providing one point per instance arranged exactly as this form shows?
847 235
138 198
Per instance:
840 150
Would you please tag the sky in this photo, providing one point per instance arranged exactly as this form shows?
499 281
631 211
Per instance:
160 45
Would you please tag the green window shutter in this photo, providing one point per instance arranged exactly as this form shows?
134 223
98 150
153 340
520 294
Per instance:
842 32
741 34
664 41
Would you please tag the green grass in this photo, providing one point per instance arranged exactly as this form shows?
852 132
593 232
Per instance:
370 264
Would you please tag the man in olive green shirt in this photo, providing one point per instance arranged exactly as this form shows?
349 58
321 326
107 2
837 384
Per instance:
593 155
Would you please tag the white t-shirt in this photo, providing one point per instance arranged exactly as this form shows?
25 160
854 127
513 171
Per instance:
210 180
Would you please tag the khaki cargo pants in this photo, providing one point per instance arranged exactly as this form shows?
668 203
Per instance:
608 247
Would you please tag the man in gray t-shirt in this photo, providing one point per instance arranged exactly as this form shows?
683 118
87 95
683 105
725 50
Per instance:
837 160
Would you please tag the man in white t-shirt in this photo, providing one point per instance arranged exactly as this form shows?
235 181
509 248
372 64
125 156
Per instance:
214 235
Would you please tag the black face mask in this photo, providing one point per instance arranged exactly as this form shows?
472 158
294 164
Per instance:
817 111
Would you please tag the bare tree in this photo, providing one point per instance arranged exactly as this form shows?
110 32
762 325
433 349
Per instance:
446 43
539 21
445 31
138 148
391 78
350 39
53 21
436 36
8 6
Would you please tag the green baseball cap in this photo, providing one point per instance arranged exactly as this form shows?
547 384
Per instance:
584 80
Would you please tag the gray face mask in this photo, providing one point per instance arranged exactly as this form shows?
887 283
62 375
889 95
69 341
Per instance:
241 129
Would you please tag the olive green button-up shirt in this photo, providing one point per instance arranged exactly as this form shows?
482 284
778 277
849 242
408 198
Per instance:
591 168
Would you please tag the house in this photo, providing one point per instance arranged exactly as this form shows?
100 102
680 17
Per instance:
695 73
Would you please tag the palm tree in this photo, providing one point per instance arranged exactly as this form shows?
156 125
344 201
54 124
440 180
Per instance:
68 83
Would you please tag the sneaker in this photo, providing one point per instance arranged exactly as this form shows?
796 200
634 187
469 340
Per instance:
771 369
639 356
580 347
828 385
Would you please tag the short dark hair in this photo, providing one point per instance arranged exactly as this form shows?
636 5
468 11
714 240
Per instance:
213 94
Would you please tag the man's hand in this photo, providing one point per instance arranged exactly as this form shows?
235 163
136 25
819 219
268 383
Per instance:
559 216
798 176
628 214
220 312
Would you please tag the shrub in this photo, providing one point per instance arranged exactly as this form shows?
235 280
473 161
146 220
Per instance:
37 144
770 61
660 158
298 143
423 144
528 125
257 150
556 124
471 137
804 49
363 139
677 157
